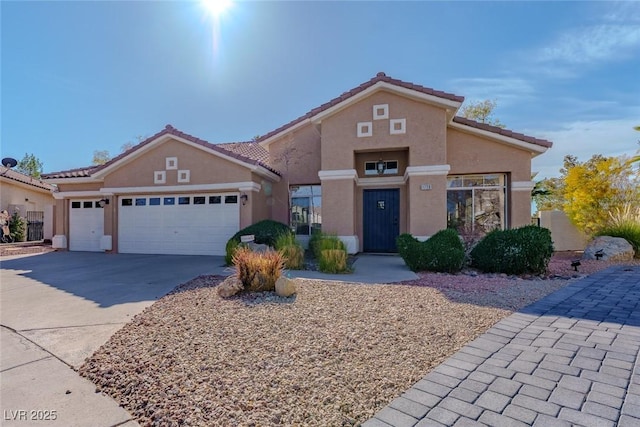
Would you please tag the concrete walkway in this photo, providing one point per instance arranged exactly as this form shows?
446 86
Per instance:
570 359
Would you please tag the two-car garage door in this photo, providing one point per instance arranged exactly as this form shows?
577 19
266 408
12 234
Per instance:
177 224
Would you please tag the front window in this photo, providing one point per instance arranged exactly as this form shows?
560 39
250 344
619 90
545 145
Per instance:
476 204
305 212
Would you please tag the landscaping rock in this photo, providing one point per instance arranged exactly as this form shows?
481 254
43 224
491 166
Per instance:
229 287
613 249
285 287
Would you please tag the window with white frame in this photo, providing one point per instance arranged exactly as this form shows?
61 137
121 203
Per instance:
306 209
476 204
390 168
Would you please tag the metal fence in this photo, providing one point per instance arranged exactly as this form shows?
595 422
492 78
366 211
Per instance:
35 225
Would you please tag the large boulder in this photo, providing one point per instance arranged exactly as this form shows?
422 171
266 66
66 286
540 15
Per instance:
612 249
285 287
259 247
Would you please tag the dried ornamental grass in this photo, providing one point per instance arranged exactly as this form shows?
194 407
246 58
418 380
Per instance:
333 261
258 271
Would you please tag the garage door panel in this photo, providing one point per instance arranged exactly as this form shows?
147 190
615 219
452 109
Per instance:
177 225
86 225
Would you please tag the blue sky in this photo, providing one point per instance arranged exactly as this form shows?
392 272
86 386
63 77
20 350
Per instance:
84 76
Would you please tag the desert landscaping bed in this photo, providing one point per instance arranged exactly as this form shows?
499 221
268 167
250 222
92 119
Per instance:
332 355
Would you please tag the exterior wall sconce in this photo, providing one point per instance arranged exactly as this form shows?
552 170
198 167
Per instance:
380 167
103 202
244 198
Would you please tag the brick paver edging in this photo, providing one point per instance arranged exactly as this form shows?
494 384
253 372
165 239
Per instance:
571 358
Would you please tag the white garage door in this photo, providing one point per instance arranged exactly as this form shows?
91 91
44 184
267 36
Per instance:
86 225
197 224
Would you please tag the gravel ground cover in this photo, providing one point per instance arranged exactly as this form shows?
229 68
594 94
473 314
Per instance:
332 355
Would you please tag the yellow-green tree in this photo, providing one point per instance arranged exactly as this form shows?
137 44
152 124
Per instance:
593 190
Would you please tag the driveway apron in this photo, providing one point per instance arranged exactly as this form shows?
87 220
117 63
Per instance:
570 359
56 309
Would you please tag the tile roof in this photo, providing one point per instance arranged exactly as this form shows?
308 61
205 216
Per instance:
380 77
504 132
248 152
25 179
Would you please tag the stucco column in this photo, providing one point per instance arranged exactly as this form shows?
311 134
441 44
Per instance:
59 240
427 200
520 203
339 206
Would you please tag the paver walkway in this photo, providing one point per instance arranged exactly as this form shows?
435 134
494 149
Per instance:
569 359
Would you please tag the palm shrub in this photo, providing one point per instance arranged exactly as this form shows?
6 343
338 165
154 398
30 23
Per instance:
258 271
291 250
266 232
520 250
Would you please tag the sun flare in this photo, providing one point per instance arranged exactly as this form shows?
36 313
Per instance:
216 7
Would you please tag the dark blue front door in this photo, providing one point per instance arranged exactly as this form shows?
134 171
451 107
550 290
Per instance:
381 220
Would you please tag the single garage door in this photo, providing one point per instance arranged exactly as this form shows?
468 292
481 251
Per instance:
86 225
177 224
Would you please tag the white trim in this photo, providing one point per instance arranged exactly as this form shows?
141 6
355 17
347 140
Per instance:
426 170
537 149
522 185
177 188
352 243
79 180
59 241
383 180
68 194
385 111
187 175
260 170
360 129
253 186
106 243
329 175
392 126
159 177
420 96
430 99
171 163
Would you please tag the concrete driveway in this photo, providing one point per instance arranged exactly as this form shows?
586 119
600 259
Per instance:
56 309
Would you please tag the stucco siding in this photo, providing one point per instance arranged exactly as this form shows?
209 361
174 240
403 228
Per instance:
468 154
203 167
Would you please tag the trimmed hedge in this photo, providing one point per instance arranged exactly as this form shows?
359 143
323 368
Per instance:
442 252
523 250
266 232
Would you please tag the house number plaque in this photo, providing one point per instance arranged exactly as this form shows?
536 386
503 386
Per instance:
380 204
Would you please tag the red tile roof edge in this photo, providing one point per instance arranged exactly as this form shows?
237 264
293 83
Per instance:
503 132
24 179
380 77
168 130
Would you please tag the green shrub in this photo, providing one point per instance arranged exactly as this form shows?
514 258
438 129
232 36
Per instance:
412 252
258 271
628 230
332 261
442 252
291 250
266 232
445 252
18 228
316 236
521 250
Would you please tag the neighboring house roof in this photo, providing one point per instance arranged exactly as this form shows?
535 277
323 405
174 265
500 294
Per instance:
380 77
503 132
247 152
24 179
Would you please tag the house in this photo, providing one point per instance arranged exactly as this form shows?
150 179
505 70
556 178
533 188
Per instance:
31 198
384 158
